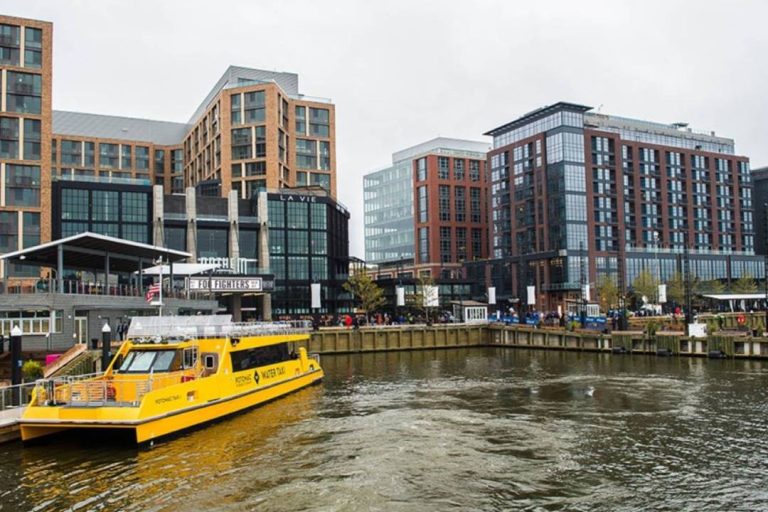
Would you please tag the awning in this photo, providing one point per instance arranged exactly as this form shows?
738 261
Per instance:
736 296
88 251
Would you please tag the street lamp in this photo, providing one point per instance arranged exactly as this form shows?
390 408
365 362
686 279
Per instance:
658 270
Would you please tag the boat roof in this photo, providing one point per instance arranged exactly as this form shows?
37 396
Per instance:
179 328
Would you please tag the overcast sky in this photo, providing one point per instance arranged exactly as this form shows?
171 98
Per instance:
402 72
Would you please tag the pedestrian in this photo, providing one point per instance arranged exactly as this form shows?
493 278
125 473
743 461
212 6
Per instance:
347 321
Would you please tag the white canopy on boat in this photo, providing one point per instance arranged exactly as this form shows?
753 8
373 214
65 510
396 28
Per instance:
180 269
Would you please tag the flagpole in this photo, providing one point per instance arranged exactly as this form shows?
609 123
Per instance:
160 306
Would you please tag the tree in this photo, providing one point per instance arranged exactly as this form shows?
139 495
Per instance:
711 287
418 299
676 288
744 284
645 285
368 294
607 292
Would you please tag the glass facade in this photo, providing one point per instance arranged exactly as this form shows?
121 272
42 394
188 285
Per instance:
388 213
308 239
119 211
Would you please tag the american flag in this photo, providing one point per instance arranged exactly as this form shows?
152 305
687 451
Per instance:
153 290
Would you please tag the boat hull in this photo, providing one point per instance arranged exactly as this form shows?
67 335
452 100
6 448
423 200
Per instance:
58 419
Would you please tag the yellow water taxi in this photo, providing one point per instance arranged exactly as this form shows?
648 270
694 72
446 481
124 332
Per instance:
174 373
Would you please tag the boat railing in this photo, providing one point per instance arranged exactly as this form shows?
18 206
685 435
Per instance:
269 328
165 328
98 390
16 396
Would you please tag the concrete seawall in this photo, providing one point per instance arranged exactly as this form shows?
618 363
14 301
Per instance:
421 337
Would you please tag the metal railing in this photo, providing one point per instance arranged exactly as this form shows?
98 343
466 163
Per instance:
96 390
70 287
13 397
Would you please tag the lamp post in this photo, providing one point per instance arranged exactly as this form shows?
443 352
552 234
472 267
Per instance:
656 267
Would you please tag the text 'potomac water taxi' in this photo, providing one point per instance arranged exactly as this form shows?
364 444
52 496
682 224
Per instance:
174 373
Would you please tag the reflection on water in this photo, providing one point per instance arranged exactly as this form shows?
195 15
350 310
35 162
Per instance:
475 429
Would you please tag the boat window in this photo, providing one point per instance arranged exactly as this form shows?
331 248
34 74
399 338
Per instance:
260 356
209 361
190 357
145 361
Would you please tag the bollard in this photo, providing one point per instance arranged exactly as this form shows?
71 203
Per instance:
106 341
15 350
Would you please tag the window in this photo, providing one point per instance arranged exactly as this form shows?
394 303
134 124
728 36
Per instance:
254 107
442 167
474 204
276 213
261 141
460 203
445 202
319 243
477 243
212 242
241 144
421 166
108 156
297 216
159 161
33 47
31 236
23 92
325 156
323 180
301 120
22 185
319 216
135 207
319 268
458 169
423 245
31 139
474 170
319 122
261 356
142 158
306 154
105 207
9 138
445 244
298 242
255 168
126 156
236 100
9 44
423 204
89 153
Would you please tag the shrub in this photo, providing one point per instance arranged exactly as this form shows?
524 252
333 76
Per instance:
32 370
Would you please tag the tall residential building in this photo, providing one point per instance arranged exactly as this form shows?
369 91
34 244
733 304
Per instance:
760 178
253 132
429 207
25 133
576 195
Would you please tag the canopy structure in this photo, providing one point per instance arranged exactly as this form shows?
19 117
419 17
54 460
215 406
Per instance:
180 269
93 253
743 299
736 296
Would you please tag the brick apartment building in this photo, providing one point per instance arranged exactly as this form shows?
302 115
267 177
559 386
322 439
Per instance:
576 195
253 132
426 213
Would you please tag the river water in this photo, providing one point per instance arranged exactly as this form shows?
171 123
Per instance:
474 429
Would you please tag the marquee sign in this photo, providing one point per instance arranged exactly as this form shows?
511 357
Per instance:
230 284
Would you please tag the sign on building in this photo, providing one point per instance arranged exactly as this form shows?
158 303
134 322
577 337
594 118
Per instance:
226 284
